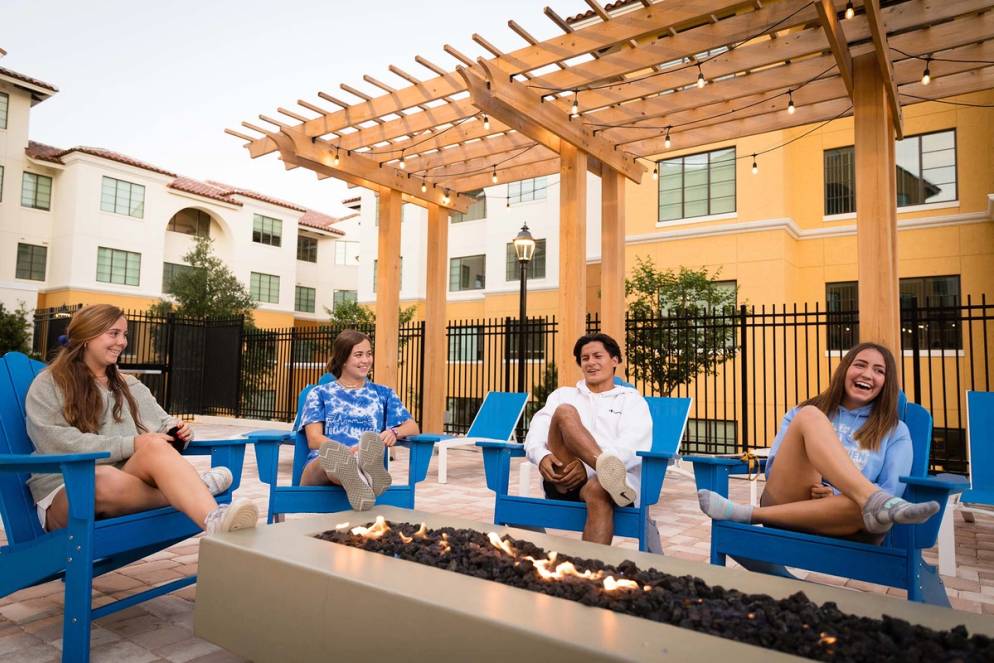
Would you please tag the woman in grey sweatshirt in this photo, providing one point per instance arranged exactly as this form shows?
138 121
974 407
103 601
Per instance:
83 403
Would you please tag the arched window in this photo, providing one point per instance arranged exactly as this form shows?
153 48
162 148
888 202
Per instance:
191 221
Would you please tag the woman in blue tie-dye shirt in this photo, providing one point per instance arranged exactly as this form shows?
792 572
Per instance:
349 422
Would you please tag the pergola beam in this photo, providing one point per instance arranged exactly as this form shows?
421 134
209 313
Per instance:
836 41
496 94
879 34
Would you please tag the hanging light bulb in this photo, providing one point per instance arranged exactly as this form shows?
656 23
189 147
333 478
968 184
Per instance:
850 10
403 164
575 110
445 197
336 160
700 77
655 173
926 75
486 122
790 102
493 177
424 187
666 141
755 166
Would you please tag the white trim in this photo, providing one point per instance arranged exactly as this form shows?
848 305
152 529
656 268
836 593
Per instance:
20 284
697 219
848 216
927 206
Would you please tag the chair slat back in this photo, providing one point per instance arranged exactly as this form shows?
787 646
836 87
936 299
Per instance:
919 423
980 445
669 420
300 447
17 507
498 415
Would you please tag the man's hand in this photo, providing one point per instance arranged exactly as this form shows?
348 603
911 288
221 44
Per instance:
820 490
389 437
573 475
549 468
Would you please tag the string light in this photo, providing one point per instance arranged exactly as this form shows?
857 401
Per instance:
850 10
666 141
403 164
424 187
755 166
655 173
575 110
790 102
926 75
445 197
336 160
486 122
700 76
493 177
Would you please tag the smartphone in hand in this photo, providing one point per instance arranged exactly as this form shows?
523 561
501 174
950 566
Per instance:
177 443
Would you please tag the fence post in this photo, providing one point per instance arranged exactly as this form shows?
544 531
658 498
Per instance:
916 369
421 374
508 335
744 371
241 359
291 397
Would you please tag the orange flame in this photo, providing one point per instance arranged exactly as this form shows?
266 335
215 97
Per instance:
501 544
378 529
827 639
610 584
542 567
443 545
422 532
405 539
342 526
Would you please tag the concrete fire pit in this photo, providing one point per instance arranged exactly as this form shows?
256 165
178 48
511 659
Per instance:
278 594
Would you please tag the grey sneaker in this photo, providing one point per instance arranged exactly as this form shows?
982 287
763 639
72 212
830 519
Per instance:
240 514
613 476
217 479
371 462
341 466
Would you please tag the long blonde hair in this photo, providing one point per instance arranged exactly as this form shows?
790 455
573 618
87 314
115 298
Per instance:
884 416
83 403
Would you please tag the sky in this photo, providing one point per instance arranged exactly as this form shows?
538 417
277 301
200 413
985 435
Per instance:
160 81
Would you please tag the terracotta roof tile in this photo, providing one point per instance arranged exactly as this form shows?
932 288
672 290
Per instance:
316 219
28 79
43 152
248 193
190 185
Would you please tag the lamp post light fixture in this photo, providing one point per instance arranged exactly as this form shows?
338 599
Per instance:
524 248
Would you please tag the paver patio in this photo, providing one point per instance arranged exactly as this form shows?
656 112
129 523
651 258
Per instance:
162 629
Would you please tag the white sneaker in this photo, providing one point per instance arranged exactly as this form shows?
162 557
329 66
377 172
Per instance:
613 477
217 479
240 514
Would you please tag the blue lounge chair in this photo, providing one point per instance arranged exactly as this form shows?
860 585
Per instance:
326 499
669 419
87 547
897 562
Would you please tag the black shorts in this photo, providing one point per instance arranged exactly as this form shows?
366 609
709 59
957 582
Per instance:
552 494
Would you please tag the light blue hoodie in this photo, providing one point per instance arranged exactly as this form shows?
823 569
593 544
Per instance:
882 467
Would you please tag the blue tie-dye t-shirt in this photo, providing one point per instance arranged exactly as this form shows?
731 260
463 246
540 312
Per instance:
348 413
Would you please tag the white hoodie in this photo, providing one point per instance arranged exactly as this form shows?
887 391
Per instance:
618 419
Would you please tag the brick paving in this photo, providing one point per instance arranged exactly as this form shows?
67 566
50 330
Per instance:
162 629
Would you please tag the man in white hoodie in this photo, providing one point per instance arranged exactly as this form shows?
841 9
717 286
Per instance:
585 438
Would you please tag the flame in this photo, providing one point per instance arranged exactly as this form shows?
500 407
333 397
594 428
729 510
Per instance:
342 526
503 545
542 567
827 639
378 529
443 545
610 584
422 532
405 539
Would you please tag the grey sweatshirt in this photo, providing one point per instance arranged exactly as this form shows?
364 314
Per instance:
52 434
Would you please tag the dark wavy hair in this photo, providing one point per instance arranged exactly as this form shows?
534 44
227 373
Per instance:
341 349
884 416
609 343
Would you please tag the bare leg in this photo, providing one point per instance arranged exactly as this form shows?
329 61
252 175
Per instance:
599 527
314 475
830 516
116 493
569 440
161 466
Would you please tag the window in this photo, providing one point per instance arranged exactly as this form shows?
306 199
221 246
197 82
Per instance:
267 230
526 190
711 436
346 253
264 288
122 197
115 266
460 412
190 221
477 209
36 191
841 302
170 270
535 330
400 276
31 262
344 297
466 343
4 104
536 268
1 184
697 185
840 180
926 168
307 248
303 300
467 273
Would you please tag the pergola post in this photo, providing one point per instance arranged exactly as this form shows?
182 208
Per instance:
613 254
572 258
436 348
388 289
876 207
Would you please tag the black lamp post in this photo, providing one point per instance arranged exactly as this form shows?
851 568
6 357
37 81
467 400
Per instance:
524 248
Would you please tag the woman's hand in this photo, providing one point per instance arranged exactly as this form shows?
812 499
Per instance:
184 432
389 437
820 490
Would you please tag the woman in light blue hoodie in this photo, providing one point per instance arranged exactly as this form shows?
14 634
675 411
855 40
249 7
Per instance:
835 464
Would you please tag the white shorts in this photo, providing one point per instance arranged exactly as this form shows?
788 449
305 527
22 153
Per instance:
46 502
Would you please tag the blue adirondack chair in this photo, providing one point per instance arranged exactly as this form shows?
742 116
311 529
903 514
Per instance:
669 419
494 421
87 547
897 562
326 499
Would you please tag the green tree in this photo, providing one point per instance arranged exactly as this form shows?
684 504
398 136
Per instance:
210 289
15 330
353 315
541 391
684 324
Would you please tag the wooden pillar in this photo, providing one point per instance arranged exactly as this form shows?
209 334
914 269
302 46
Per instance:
876 208
613 254
388 290
436 347
572 259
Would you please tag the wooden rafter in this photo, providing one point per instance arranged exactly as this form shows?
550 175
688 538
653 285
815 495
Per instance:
880 44
836 41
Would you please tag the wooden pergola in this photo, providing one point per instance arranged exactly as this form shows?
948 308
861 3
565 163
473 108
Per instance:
612 94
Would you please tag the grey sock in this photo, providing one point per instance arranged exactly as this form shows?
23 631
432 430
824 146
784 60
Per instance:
882 511
720 508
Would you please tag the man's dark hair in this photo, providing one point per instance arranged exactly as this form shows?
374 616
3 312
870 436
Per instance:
609 343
